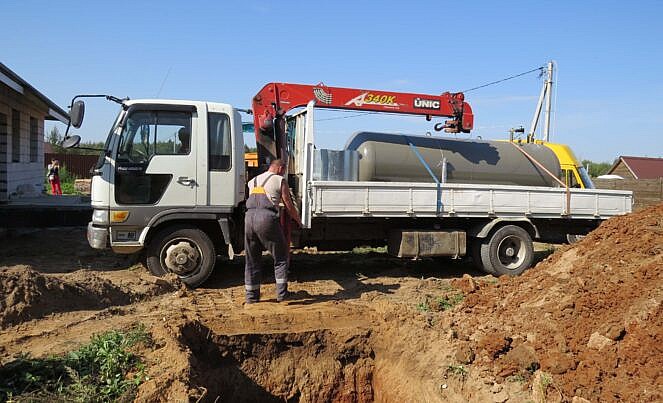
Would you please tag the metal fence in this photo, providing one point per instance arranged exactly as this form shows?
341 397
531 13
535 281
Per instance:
76 164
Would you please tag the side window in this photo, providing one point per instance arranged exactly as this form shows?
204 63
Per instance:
571 179
147 133
219 142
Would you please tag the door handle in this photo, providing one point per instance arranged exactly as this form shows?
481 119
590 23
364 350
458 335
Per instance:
183 180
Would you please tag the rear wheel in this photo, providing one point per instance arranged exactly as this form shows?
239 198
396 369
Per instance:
572 238
508 251
475 249
185 251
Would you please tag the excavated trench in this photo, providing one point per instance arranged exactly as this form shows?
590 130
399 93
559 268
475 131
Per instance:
315 366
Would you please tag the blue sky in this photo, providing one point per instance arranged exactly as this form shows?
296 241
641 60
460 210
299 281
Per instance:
608 53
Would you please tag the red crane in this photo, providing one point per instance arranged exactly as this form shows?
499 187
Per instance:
274 100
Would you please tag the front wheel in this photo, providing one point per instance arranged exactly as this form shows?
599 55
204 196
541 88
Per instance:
185 251
508 251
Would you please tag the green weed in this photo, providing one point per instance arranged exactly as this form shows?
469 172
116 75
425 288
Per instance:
457 370
448 301
97 371
520 378
423 307
545 381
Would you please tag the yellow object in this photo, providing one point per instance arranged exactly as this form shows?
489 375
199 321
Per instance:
258 190
119 216
568 162
251 159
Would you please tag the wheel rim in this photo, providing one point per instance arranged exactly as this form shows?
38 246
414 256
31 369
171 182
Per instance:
181 256
511 252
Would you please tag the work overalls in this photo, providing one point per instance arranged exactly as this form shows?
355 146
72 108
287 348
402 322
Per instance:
262 231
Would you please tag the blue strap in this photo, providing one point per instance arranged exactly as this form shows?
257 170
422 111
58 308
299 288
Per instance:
430 172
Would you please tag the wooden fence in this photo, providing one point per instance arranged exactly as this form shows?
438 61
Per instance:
78 165
646 192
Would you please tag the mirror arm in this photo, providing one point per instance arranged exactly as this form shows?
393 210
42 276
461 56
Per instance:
108 97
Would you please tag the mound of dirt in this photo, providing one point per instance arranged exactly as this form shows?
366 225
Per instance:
589 316
26 294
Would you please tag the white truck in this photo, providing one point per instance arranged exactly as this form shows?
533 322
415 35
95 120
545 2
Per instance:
171 181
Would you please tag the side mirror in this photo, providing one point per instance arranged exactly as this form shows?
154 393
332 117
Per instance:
71 141
76 114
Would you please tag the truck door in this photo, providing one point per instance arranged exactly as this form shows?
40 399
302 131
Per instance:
304 144
224 158
156 158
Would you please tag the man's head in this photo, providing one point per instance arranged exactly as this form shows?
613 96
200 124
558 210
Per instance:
277 167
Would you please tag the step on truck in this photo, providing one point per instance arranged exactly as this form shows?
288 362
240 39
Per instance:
171 182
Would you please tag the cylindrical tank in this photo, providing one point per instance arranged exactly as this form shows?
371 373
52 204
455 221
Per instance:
389 157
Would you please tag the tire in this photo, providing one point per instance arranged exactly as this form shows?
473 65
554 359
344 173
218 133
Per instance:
571 238
475 249
185 251
509 250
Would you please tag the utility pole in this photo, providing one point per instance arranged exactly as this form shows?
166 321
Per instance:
549 81
546 94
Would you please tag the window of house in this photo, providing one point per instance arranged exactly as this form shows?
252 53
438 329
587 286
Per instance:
16 136
219 142
3 138
34 140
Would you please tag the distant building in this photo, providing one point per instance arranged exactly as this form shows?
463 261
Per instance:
638 168
23 110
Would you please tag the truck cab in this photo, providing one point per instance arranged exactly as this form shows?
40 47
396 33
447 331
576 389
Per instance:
167 162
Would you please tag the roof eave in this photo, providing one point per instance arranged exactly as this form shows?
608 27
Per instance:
15 82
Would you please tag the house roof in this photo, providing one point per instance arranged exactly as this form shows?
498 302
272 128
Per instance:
15 82
641 167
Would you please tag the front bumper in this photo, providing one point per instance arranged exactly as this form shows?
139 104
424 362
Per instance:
97 237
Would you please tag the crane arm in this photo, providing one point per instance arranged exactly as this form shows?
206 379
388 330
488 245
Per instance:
275 99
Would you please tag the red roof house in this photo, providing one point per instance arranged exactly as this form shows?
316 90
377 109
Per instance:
638 168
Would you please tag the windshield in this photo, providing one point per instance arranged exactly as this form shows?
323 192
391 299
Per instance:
109 139
586 180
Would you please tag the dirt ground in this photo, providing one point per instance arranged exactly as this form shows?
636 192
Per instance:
584 325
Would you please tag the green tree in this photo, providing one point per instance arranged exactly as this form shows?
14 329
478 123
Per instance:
54 138
597 168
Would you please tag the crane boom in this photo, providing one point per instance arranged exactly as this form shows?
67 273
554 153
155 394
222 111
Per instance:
275 99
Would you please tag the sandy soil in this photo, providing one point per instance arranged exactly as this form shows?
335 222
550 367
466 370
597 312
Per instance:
585 323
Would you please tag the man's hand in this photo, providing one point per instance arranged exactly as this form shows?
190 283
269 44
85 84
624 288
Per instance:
289 205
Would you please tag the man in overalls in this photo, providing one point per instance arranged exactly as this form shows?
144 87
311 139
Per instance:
262 230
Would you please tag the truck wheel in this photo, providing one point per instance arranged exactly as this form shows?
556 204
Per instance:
508 251
187 252
476 256
571 238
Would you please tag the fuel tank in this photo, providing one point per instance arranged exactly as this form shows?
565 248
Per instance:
386 157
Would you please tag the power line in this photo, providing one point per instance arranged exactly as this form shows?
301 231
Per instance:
539 69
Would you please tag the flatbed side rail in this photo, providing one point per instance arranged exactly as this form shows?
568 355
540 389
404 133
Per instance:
406 199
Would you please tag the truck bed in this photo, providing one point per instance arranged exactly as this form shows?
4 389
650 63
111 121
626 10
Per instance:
402 199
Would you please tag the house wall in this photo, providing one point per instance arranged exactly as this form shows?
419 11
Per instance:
25 177
622 171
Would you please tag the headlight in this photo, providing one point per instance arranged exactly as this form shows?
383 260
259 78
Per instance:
100 217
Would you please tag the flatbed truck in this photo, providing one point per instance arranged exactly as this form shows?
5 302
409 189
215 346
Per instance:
171 182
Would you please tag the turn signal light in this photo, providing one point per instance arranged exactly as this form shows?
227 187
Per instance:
119 216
